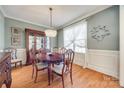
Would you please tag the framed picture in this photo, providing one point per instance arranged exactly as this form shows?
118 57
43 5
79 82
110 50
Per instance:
15 36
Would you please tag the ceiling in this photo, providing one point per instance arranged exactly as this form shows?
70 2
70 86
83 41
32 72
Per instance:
39 14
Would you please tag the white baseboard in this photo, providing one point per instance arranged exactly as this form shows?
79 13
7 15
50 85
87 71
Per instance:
104 61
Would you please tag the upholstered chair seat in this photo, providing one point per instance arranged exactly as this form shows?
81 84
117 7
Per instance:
58 68
15 60
41 65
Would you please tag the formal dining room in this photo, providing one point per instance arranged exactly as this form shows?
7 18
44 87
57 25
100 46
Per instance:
61 46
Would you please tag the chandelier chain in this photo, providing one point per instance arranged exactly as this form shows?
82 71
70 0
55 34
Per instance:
50 17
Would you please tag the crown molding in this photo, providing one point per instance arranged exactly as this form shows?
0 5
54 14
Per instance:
22 20
84 16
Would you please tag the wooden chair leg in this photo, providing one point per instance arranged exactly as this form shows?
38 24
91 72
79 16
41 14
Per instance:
63 81
36 76
15 65
33 72
71 78
21 63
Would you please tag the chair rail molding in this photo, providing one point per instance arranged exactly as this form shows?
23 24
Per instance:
104 61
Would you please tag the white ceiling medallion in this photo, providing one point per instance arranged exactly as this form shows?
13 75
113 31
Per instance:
50 32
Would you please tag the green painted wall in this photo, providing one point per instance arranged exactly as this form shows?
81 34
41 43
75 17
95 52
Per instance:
108 17
15 23
60 38
1 31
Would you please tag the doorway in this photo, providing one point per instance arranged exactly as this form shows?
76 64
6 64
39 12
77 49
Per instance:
34 40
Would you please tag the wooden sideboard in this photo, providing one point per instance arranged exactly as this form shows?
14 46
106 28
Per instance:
5 69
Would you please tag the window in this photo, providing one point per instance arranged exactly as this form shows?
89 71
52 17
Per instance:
47 43
75 37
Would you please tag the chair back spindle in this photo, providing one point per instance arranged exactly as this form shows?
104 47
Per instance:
62 50
69 58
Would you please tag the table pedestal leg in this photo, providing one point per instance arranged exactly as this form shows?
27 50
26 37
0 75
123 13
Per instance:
49 73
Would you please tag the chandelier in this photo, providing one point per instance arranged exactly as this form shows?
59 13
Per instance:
50 32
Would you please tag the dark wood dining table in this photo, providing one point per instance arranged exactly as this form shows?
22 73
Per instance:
50 59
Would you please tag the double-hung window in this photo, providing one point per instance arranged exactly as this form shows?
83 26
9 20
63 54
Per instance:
75 37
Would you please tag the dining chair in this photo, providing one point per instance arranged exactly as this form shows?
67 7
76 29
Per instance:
37 63
62 50
61 70
32 59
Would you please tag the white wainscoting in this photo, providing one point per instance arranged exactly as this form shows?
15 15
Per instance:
21 54
79 59
104 61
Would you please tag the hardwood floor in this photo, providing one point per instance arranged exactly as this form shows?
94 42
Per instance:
82 78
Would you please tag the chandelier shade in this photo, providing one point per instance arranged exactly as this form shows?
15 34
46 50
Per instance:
50 32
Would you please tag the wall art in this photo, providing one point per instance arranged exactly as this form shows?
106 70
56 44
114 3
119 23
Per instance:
15 36
100 32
